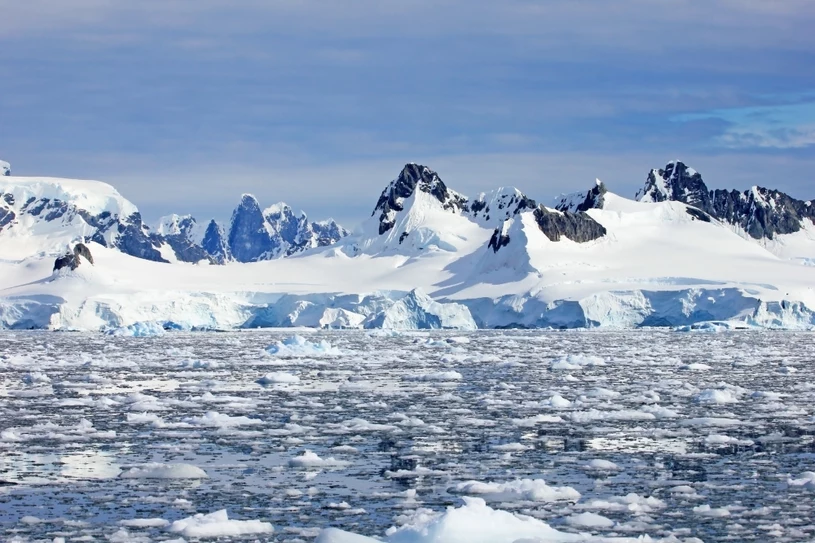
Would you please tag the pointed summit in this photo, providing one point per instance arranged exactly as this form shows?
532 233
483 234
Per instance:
215 243
414 177
248 238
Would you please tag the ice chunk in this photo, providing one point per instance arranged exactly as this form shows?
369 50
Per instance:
278 377
164 471
474 522
310 460
519 490
218 524
435 376
299 346
138 329
589 520
805 480
717 396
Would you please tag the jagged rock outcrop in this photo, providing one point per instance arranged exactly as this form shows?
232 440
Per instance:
215 243
248 238
579 227
412 178
583 201
275 232
495 207
500 237
180 233
72 259
760 212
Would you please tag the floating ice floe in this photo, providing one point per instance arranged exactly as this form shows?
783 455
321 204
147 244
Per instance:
707 511
164 471
278 377
435 376
213 418
138 329
717 396
218 524
474 522
806 480
300 346
576 362
589 520
535 490
599 464
310 460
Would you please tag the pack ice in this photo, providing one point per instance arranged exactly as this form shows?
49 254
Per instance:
428 257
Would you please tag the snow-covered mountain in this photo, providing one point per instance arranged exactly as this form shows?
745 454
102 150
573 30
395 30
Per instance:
5 168
47 215
429 256
759 212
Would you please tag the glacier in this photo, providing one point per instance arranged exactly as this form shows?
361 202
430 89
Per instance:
428 257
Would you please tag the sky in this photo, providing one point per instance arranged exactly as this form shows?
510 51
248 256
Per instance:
185 105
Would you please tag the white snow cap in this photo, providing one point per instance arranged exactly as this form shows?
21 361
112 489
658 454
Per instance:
5 168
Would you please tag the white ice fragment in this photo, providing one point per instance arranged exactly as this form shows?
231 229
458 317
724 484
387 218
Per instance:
279 377
589 520
164 471
310 460
519 490
706 511
298 346
218 524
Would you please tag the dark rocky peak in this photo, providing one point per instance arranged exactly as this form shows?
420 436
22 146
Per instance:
675 182
283 222
500 237
579 226
759 212
73 258
412 178
249 239
215 243
497 206
593 198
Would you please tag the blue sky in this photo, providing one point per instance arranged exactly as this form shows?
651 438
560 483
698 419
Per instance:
184 105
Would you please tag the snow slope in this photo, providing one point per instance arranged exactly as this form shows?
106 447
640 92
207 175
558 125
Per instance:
657 264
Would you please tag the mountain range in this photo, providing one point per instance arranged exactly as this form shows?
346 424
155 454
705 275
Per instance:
676 254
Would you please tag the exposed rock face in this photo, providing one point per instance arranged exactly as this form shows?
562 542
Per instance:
5 168
760 212
495 207
73 259
593 198
412 178
500 237
275 232
215 243
248 238
179 232
579 227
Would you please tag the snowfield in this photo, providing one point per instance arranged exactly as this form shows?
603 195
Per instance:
408 437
